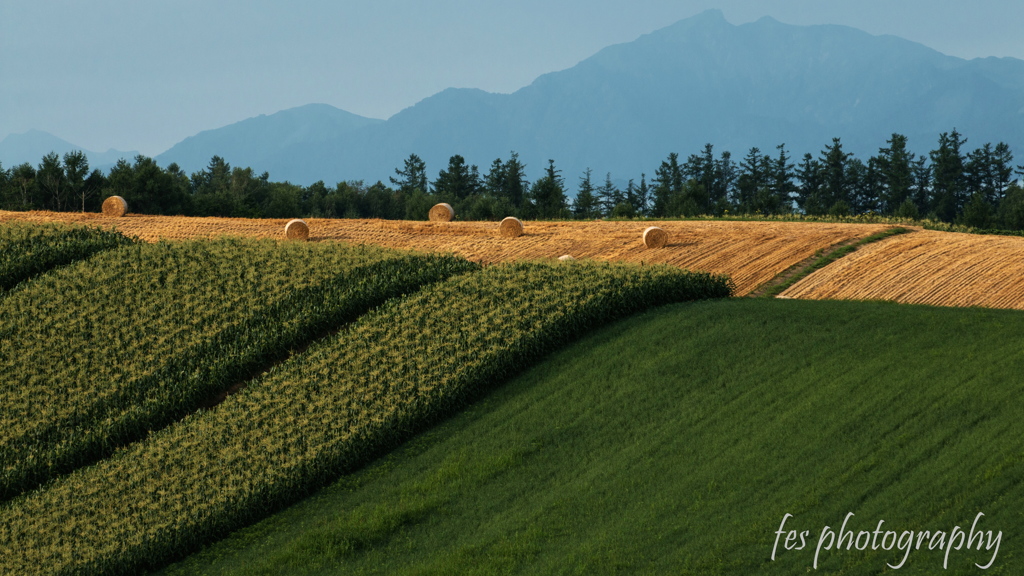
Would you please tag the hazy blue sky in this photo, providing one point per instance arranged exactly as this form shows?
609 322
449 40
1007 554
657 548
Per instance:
144 74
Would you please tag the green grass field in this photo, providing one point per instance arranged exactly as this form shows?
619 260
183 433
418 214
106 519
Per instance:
675 441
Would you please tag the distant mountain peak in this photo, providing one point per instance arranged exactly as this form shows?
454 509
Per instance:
699 80
707 21
768 20
259 140
712 15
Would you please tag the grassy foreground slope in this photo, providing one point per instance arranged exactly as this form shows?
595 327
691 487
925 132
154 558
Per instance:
674 442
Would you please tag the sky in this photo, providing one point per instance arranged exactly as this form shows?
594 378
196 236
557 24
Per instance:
144 75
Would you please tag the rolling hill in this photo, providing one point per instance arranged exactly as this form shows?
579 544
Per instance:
671 442
263 141
674 442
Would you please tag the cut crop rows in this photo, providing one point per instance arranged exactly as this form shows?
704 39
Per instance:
926 267
321 413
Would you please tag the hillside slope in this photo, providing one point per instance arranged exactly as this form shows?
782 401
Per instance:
922 267
326 409
674 442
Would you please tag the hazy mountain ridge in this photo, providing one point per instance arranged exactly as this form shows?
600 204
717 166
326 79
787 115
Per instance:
259 141
31 146
700 80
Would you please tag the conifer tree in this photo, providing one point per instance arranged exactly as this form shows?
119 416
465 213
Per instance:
548 194
667 184
413 175
458 182
948 191
896 173
585 206
609 195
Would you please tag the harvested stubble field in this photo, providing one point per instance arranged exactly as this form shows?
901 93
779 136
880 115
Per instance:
751 253
925 267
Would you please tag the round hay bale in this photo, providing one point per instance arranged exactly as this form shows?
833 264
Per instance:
655 237
510 227
115 206
442 212
296 230
565 258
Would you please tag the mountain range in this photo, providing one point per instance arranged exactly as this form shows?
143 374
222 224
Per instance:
624 109
31 146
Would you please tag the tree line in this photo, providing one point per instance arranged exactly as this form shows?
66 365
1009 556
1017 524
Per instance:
978 188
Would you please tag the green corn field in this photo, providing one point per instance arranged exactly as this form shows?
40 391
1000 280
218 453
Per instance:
30 249
97 354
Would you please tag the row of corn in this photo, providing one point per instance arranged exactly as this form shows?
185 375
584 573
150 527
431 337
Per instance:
27 250
96 354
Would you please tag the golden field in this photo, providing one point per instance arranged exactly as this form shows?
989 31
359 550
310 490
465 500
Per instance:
751 253
920 267
925 267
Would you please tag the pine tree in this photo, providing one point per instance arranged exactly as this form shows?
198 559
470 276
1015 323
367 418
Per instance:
782 180
836 179
896 173
458 182
515 183
809 195
413 176
948 190
609 195
979 176
585 206
724 180
667 184
549 194
52 181
716 179
1002 168
753 178
865 185
494 182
